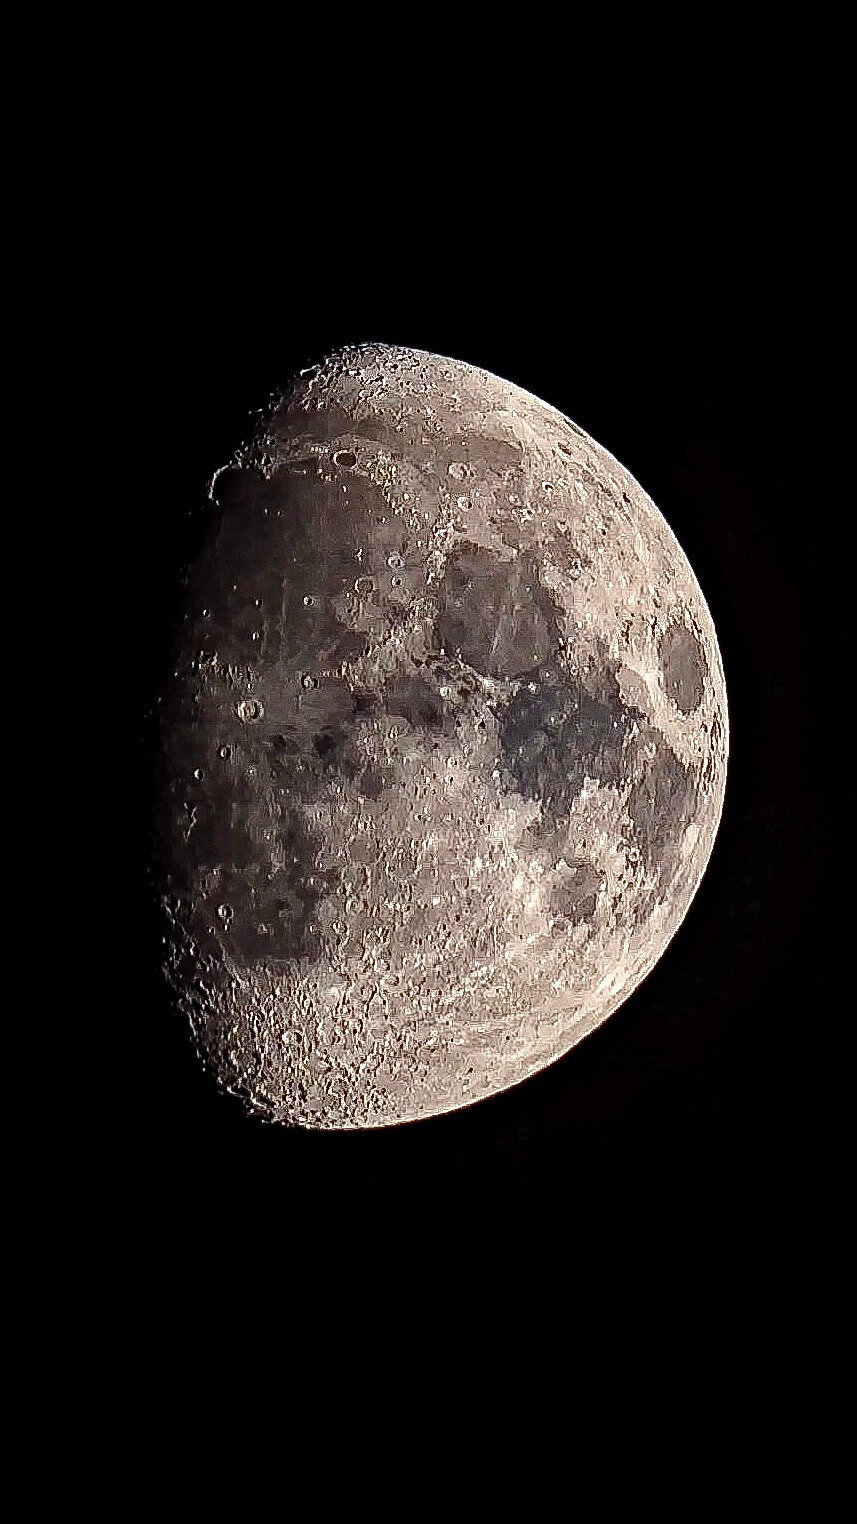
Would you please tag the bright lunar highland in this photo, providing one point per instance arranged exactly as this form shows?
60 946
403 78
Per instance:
444 753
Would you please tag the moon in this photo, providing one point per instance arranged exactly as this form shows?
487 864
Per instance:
443 754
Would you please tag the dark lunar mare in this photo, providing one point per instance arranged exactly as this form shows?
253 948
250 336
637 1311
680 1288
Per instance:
240 866
552 738
574 897
662 802
683 667
495 614
566 730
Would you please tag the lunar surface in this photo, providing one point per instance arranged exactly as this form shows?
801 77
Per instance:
444 753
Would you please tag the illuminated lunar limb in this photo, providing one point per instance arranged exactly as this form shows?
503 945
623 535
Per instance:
445 752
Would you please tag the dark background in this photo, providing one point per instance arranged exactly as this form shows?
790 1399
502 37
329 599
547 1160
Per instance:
693 356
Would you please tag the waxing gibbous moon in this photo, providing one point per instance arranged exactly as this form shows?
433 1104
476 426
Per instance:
444 753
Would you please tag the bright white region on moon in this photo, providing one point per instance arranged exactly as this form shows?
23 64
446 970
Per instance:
444 753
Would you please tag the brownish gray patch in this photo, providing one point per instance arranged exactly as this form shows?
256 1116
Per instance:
494 614
662 803
574 898
564 731
683 667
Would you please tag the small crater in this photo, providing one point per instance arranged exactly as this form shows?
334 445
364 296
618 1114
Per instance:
345 458
249 710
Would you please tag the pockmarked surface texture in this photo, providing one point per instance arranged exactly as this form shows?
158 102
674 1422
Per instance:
444 752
